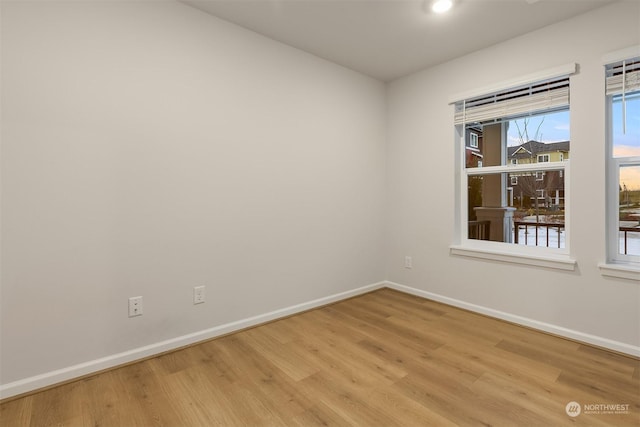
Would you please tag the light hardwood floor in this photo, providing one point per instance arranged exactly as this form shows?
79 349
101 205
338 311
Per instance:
381 359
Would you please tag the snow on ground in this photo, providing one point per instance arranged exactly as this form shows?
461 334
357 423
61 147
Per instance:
633 237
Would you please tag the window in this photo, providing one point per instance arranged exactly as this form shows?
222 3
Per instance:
473 140
623 161
516 198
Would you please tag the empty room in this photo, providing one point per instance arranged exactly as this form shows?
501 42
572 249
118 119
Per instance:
320 212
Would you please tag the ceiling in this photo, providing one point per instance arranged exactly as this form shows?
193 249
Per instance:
387 39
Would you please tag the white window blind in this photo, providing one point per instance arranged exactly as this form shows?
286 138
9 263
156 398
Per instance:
623 76
529 99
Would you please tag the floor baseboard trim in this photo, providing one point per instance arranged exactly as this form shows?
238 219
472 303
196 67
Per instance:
616 346
48 379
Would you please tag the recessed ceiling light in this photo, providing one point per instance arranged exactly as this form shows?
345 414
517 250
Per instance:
441 6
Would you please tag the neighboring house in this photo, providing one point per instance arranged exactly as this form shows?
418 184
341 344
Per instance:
473 148
537 152
545 186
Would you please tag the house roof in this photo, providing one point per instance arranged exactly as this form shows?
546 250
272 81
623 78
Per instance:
534 148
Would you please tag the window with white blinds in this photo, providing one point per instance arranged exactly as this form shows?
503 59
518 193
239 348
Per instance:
622 81
541 96
513 159
623 76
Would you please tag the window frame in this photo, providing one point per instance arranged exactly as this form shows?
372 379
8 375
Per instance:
613 218
555 258
616 265
473 140
504 248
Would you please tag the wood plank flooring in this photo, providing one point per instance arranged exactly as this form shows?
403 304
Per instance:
381 359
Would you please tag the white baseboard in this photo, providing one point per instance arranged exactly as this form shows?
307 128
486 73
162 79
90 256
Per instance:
47 379
534 324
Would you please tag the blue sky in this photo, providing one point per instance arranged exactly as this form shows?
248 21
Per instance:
553 127
627 144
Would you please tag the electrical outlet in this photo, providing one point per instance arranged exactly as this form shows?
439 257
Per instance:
408 262
135 306
198 294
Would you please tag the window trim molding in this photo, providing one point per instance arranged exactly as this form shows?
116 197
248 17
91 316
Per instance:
553 261
549 73
620 271
545 257
621 55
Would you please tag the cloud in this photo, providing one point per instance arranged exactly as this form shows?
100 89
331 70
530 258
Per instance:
513 141
626 151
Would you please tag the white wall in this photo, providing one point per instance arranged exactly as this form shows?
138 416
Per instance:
421 187
147 148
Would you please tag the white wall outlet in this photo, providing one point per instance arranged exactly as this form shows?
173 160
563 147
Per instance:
135 306
198 294
408 262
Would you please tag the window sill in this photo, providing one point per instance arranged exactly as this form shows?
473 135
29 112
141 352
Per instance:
621 271
556 261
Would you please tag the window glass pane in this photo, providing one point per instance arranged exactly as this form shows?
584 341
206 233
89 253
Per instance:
474 140
531 139
542 138
629 211
525 208
626 142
